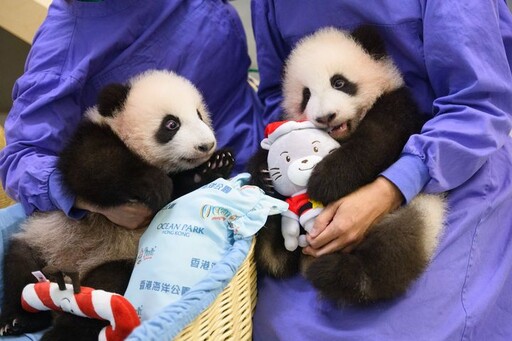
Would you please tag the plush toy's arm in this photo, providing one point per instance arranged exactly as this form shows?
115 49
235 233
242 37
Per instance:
290 228
97 304
373 147
307 220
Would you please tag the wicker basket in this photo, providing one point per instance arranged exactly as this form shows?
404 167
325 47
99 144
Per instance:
4 199
230 315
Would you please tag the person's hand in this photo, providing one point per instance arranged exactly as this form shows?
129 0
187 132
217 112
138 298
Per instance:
343 224
131 216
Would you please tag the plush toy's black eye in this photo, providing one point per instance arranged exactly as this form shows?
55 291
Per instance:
315 149
286 156
172 124
199 114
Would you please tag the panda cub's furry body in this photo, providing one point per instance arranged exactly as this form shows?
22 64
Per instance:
345 83
148 141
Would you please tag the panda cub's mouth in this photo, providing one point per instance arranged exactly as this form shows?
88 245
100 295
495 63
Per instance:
195 161
340 130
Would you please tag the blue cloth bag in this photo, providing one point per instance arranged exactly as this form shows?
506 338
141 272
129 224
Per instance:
190 252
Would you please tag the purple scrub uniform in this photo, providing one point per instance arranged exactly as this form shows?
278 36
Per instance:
83 46
456 57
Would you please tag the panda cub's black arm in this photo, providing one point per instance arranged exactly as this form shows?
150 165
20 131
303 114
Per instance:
258 168
98 167
373 147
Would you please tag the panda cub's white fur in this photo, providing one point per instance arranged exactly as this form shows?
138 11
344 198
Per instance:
153 94
328 52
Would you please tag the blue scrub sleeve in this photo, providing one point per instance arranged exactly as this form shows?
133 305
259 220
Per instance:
271 58
10 219
469 69
44 114
409 174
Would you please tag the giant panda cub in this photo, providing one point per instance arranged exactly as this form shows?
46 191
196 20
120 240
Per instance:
147 141
346 84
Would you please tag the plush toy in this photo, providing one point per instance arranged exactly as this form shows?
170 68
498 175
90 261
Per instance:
96 304
294 148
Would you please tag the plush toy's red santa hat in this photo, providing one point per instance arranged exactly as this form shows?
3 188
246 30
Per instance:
275 130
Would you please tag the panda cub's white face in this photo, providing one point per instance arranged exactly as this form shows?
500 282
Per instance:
332 81
165 121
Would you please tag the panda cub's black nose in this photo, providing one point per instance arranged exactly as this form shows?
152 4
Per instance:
205 147
326 119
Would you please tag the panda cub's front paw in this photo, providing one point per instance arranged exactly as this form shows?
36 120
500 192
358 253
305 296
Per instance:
219 165
326 183
24 322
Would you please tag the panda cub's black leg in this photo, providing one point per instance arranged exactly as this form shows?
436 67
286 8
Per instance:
272 258
69 327
393 254
19 262
219 165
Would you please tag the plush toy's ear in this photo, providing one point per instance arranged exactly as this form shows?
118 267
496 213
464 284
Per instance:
265 144
112 98
370 40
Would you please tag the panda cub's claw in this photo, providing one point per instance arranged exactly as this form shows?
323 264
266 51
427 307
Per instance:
24 323
219 165
9 328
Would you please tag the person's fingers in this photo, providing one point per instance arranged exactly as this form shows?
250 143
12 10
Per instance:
333 246
340 227
323 219
328 248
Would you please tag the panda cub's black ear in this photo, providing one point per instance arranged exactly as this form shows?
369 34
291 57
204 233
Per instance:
371 41
112 98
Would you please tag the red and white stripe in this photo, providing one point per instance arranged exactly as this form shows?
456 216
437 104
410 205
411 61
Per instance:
97 304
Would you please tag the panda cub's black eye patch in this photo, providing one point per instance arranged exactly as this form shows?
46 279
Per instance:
306 95
340 83
168 128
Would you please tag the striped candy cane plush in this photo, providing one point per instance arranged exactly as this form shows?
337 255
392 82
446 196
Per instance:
97 304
